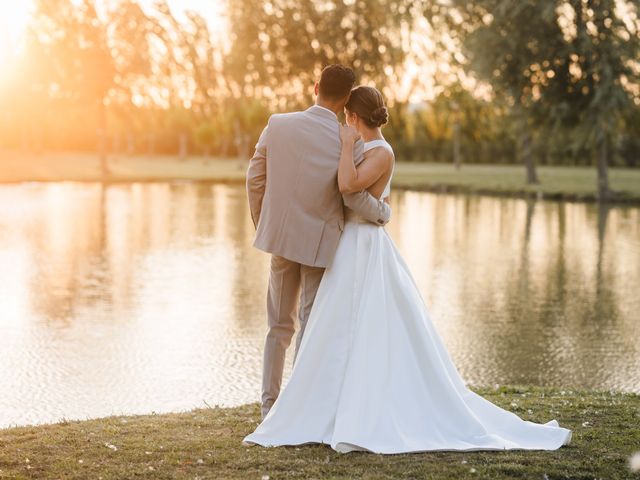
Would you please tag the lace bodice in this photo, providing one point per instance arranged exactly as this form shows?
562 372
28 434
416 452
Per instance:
381 143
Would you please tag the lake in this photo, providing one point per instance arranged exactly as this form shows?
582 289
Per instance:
148 297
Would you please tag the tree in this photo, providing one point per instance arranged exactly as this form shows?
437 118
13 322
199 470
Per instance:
181 121
205 137
280 64
81 67
562 66
510 47
131 33
193 59
601 71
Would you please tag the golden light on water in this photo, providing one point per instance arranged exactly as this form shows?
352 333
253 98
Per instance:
139 297
148 296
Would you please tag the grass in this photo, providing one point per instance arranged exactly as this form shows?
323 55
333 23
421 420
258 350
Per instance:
206 443
561 183
86 167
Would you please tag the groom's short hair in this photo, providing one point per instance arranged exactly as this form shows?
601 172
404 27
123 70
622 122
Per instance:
336 82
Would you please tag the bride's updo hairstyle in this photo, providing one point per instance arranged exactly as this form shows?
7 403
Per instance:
368 104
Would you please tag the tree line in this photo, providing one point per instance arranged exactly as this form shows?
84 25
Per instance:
488 81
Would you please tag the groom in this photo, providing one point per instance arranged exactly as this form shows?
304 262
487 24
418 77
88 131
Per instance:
297 209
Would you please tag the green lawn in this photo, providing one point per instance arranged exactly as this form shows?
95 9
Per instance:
555 182
578 183
206 443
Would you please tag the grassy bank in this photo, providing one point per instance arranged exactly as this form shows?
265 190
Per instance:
569 183
558 183
86 167
206 443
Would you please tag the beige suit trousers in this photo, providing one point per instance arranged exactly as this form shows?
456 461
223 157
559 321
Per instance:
292 287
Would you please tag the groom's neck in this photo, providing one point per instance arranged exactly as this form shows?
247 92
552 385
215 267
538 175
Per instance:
333 106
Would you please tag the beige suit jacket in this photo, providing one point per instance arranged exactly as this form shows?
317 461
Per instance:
293 192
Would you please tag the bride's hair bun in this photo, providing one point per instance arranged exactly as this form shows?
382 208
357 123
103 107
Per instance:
379 116
368 104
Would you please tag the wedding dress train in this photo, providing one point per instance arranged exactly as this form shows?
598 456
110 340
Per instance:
373 374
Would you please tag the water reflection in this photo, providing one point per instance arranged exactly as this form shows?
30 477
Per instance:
149 297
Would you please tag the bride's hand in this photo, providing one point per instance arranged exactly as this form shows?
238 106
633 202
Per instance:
348 134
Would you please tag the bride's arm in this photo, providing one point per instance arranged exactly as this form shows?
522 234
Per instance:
363 203
350 178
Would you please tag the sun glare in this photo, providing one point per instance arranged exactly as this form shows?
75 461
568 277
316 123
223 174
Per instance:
13 20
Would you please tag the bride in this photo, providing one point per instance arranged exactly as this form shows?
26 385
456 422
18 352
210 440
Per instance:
372 373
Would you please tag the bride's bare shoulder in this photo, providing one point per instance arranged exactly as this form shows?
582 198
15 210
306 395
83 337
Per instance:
380 155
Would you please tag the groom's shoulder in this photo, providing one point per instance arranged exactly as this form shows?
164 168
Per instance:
285 119
283 116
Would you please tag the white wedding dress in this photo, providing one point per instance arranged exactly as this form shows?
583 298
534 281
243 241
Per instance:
373 374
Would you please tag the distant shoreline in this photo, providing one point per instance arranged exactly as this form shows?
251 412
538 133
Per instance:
558 183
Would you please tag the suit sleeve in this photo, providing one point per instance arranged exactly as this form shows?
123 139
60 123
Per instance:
257 177
363 203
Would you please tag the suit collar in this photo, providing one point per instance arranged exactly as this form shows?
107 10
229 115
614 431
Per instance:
322 111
